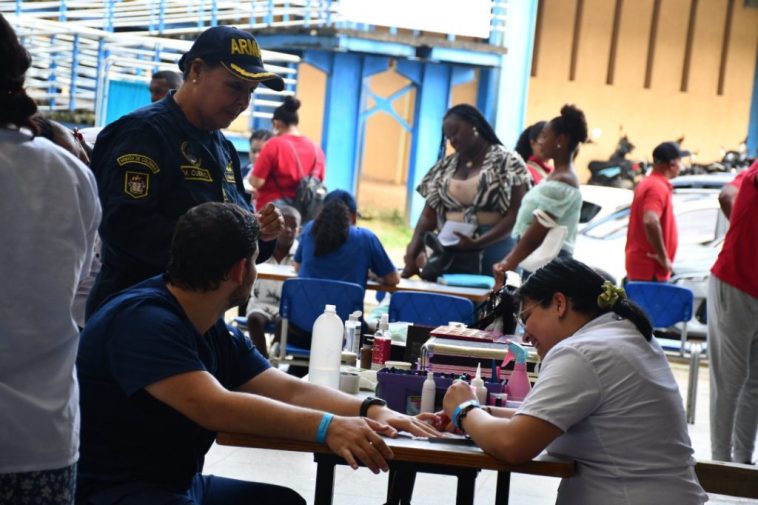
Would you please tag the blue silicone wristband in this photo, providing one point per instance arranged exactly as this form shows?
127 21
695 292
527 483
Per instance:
323 427
457 412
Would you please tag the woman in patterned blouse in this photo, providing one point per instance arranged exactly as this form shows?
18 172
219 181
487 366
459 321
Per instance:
482 183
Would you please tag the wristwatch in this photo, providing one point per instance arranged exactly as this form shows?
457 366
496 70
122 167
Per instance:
462 411
371 400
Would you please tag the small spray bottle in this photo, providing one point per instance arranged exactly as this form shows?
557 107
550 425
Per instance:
518 386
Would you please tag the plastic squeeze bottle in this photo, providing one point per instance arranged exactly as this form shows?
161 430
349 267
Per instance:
428 393
518 386
353 333
326 349
477 386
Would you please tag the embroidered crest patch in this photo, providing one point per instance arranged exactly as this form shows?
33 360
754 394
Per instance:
136 184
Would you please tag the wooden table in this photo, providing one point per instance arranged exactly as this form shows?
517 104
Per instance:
284 272
418 455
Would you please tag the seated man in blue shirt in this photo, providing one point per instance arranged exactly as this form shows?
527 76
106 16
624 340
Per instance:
160 373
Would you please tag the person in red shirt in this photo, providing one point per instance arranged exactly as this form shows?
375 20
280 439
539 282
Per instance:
285 159
531 152
733 331
652 237
728 193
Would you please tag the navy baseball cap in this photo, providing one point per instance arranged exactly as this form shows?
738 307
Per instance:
344 197
237 51
668 152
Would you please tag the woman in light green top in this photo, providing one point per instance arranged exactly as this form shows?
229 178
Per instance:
558 195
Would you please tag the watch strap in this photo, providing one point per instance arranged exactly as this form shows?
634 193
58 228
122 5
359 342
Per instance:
368 402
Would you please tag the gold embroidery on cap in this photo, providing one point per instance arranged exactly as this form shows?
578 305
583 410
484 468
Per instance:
139 159
250 75
245 46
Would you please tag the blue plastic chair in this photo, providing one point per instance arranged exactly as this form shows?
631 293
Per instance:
431 309
667 305
303 300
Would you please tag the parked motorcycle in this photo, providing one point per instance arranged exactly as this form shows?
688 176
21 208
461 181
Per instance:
617 172
731 161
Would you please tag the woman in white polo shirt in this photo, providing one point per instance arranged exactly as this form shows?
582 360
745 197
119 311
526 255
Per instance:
605 397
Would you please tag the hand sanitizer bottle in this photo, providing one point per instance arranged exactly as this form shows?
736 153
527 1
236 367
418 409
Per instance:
326 345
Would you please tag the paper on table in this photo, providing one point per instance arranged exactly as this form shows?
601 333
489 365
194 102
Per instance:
447 236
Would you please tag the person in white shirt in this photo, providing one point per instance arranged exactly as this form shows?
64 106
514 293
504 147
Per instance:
605 397
263 306
50 209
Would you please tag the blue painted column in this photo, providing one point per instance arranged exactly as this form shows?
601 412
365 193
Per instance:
432 100
752 129
512 93
341 113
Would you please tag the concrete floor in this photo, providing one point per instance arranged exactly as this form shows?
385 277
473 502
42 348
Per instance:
298 471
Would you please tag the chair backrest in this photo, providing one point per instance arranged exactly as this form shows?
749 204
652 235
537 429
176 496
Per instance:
430 308
303 300
663 303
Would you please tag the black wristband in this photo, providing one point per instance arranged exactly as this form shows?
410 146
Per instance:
371 400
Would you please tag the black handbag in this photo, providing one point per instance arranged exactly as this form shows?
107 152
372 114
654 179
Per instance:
310 192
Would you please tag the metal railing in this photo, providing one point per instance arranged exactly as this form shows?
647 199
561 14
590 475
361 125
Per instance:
176 17
71 63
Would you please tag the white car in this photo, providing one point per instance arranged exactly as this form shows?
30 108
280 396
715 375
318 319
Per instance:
701 225
599 202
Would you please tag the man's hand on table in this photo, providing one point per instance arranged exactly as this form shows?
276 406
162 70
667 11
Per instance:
357 439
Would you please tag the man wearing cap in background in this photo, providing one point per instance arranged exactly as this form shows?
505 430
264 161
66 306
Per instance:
652 237
162 82
158 161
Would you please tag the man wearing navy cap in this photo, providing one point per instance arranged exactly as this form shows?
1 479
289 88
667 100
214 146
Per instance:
158 161
652 236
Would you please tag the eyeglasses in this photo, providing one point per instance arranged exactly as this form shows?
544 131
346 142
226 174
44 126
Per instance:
520 316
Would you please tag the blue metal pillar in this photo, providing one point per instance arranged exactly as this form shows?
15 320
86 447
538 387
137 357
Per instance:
432 101
486 94
752 129
512 93
342 109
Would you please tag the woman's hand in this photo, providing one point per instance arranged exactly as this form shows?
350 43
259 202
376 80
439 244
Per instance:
456 394
440 421
499 270
271 221
410 268
465 243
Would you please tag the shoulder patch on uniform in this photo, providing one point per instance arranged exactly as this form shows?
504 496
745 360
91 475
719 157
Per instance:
136 184
139 159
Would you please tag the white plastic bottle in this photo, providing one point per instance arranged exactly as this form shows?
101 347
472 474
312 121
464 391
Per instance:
428 393
477 386
326 349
